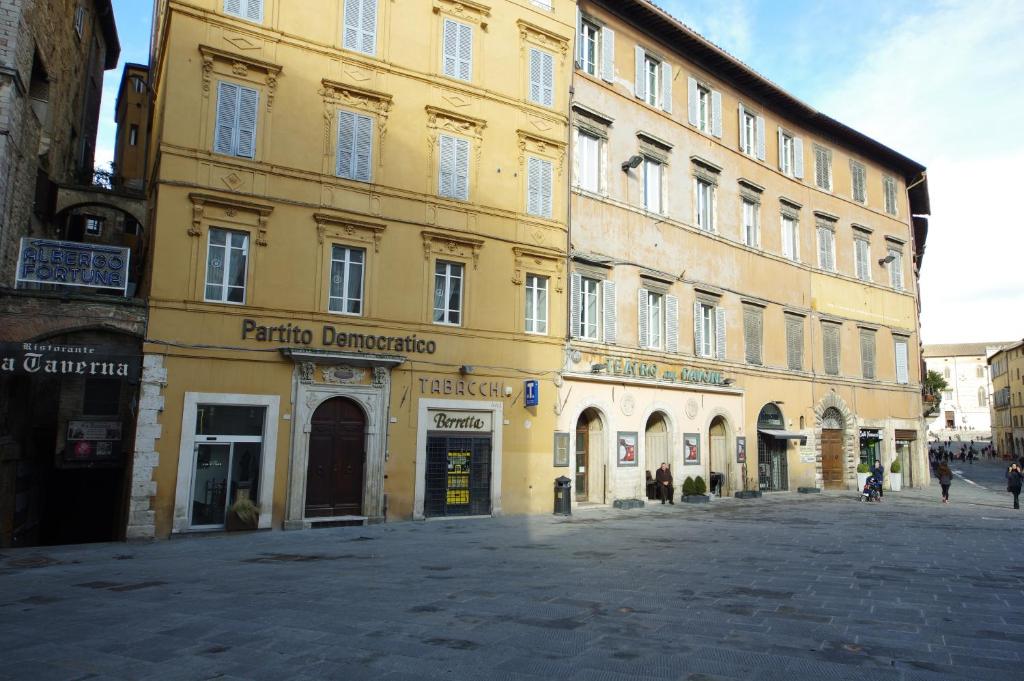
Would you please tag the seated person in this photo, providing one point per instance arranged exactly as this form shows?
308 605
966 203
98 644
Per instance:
664 482
652 491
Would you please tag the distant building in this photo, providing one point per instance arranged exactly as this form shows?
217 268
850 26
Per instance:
964 404
1007 412
132 116
71 253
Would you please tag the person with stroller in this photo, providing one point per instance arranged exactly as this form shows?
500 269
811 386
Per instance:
872 489
878 472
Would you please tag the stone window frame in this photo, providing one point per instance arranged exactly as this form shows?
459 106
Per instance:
540 263
750 192
788 208
210 210
472 13
537 37
449 248
342 96
545 149
262 76
338 230
444 122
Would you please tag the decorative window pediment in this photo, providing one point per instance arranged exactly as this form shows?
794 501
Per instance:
239 67
543 38
338 227
537 262
207 207
442 244
531 143
465 10
342 95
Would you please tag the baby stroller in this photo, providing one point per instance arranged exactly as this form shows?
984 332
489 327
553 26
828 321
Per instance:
872 489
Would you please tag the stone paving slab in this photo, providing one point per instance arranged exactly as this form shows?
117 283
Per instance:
789 586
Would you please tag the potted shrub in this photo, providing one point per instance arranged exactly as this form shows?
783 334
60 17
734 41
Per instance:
863 471
694 491
243 514
895 476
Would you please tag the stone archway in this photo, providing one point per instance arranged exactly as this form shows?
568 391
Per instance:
832 414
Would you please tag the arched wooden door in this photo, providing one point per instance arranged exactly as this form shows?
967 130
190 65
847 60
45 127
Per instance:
337 457
832 437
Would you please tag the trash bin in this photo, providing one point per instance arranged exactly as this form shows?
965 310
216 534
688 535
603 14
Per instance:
563 496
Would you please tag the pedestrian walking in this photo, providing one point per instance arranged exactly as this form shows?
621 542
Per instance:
1014 479
879 472
945 478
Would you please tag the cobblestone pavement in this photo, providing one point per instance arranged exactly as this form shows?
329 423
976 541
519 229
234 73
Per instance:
786 587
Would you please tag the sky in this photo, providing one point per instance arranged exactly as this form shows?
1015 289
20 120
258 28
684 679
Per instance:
941 82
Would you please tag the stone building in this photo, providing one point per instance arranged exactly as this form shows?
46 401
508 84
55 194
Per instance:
358 265
744 274
71 253
1006 369
965 404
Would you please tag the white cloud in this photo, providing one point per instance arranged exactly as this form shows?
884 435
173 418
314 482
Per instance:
947 89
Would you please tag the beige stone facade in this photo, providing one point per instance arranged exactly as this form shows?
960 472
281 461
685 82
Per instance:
1006 368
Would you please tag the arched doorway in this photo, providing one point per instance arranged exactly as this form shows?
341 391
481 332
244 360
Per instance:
656 447
719 452
337 456
772 467
832 437
589 452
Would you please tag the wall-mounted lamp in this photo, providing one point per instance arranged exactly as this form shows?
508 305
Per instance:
633 162
887 259
597 368
466 369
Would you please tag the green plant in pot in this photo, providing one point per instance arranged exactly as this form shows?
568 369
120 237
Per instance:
699 486
895 467
896 476
689 488
243 514
863 468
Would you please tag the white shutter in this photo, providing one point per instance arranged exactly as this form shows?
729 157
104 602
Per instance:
752 334
346 143
248 102
720 332
233 7
352 26
446 166
795 342
760 138
643 338
227 118
579 37
450 48
830 338
574 304
547 83
671 324
692 103
608 54
867 353
538 191
640 84
698 332
254 10
716 113
782 151
546 188
742 128
465 52
363 148
535 75
360 30
610 319
902 375
798 158
461 169
666 87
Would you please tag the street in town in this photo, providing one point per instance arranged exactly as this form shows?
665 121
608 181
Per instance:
790 586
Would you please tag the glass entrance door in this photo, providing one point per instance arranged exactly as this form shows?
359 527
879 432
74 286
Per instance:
582 454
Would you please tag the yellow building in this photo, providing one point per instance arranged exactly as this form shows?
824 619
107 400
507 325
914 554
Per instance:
744 294
131 112
358 260
1006 367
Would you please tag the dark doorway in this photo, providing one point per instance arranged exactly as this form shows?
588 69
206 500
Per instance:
458 476
832 436
337 456
772 466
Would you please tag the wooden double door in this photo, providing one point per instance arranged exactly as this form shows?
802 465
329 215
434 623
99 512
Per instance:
832 459
337 460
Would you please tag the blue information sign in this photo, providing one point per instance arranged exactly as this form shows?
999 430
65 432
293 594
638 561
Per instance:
532 393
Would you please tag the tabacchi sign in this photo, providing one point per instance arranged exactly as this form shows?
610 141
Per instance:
68 263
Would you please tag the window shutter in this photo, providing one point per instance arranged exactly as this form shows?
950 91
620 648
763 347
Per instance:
794 342
640 84
352 29
461 168
608 54
666 87
720 332
538 192
798 158
465 52
536 77
346 143
450 49
782 153
760 138
671 324
716 113
831 348
547 79
867 353
545 188
742 111
361 26
752 334
254 10
641 318
608 290
574 305
247 105
698 332
902 375
233 7
692 103
363 147
446 166
227 117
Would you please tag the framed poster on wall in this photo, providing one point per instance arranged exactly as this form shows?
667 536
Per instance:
691 449
561 449
625 446
741 449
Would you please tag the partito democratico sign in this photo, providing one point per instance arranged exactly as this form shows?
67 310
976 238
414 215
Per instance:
55 359
68 263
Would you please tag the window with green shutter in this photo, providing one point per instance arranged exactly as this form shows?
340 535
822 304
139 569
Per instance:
867 353
830 347
858 174
902 363
795 342
823 168
889 188
753 333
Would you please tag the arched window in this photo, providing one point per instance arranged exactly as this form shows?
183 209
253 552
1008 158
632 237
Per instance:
832 419
982 397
